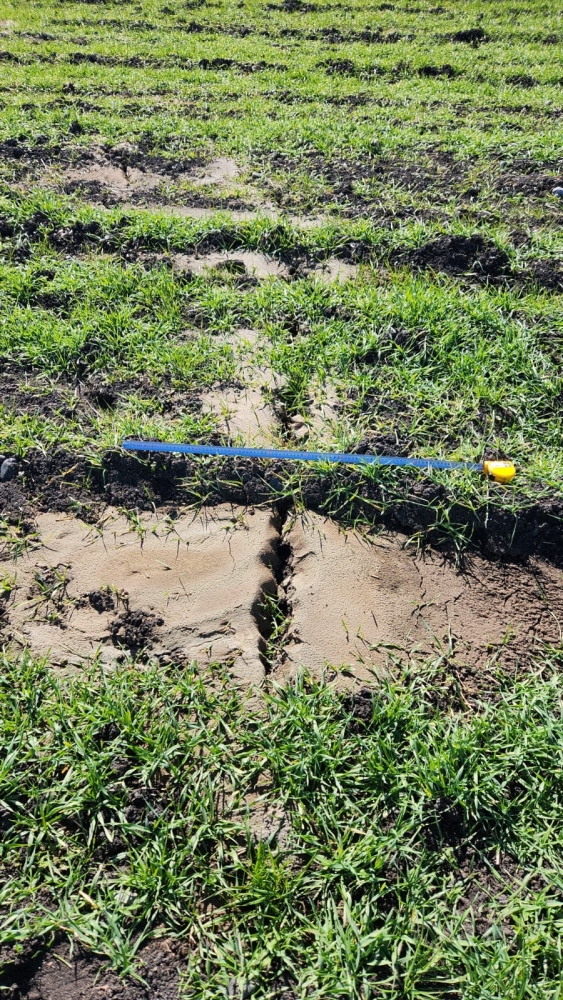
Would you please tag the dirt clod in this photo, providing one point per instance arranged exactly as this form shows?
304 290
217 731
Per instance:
134 630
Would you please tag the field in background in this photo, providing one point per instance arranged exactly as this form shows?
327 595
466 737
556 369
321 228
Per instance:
294 223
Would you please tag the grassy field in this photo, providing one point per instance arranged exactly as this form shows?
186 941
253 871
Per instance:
311 850
395 162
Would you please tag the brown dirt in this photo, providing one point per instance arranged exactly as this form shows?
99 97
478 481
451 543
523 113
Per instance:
458 255
125 174
114 178
182 589
194 588
65 974
236 261
354 600
243 416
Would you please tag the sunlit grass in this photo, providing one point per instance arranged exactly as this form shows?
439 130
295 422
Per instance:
412 858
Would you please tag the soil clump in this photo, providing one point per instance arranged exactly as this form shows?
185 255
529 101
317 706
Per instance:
458 255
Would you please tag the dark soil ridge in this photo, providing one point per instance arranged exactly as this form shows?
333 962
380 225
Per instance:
122 154
63 482
474 256
138 62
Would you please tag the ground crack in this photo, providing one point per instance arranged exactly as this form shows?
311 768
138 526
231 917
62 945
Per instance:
274 614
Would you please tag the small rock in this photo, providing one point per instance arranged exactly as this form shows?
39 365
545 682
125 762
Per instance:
558 192
242 991
8 469
298 427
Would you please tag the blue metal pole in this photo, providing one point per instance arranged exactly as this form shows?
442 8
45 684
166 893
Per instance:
300 456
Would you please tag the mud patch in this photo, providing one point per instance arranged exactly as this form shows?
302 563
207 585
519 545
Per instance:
220 171
125 174
457 255
62 481
335 271
110 184
545 273
182 589
29 393
355 601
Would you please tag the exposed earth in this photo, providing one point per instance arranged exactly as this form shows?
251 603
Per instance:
197 586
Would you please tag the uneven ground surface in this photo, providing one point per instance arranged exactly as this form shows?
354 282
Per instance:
204 587
268 729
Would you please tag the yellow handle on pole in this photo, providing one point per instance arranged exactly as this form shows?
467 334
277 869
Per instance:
501 472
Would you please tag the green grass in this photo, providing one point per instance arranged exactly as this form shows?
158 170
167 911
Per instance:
441 367
420 853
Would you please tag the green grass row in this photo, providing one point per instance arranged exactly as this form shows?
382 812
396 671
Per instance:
443 367
171 101
418 855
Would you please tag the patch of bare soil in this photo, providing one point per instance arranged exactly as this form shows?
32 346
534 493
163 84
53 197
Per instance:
243 415
457 255
119 176
354 600
125 174
244 262
194 587
252 264
546 274
189 588
73 974
533 184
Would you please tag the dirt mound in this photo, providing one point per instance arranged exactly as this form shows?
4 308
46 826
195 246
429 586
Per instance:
545 273
531 184
469 35
445 69
457 255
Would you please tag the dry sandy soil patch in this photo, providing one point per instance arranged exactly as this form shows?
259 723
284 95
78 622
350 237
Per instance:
196 588
355 599
186 589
